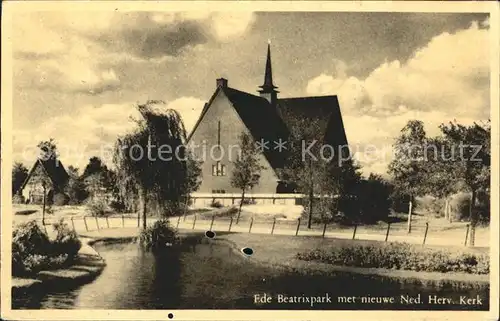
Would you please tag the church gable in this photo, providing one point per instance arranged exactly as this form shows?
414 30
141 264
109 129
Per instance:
221 124
269 120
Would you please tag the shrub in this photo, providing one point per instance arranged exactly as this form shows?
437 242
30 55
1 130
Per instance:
32 250
400 201
66 241
172 208
373 199
29 238
61 199
459 205
160 235
216 204
35 263
430 204
483 206
76 191
249 201
118 206
324 210
400 256
97 207
18 199
49 209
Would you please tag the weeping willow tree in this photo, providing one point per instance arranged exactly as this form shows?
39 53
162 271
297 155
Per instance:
152 163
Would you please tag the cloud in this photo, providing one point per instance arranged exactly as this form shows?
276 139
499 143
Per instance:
446 79
450 73
189 108
93 130
81 52
231 25
159 34
49 56
157 41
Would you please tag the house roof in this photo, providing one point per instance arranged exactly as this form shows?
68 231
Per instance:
53 168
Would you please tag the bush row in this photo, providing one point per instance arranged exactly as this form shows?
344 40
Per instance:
400 256
160 235
33 251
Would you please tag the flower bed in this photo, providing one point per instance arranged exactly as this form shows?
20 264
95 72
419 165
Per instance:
400 256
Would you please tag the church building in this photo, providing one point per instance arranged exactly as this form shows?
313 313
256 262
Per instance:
269 120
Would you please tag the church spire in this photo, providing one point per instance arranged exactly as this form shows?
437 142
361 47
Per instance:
268 90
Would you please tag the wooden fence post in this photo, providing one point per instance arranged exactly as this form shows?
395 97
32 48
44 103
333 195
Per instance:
466 235
354 232
123 221
230 224
298 226
85 221
73 224
324 230
251 223
425 234
96 222
194 221
274 223
387 233
107 222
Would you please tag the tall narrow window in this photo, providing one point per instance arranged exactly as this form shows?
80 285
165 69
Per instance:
218 133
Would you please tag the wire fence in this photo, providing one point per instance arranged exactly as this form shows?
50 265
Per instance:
421 233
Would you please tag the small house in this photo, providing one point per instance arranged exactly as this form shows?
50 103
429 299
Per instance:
46 176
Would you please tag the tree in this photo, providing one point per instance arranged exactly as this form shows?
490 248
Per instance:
306 170
247 169
19 175
443 172
407 168
373 197
95 165
97 177
473 144
75 188
48 152
141 164
193 179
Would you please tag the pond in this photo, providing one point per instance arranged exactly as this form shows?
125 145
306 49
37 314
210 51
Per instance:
211 276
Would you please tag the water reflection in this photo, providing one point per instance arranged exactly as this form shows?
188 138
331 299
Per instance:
211 275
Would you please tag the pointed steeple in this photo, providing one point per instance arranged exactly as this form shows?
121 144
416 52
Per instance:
268 89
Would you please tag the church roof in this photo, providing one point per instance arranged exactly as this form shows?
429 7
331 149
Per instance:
291 114
324 110
311 118
263 121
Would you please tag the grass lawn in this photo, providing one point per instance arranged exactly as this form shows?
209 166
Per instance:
263 217
281 250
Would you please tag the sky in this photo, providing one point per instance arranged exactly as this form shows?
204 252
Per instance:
77 76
